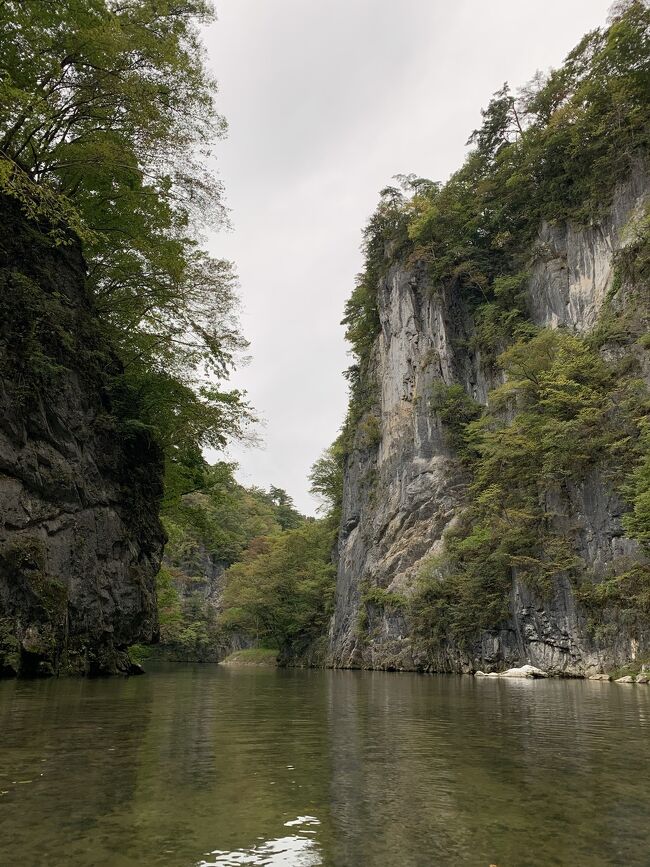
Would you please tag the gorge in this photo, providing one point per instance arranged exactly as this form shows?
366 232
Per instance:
487 497
432 647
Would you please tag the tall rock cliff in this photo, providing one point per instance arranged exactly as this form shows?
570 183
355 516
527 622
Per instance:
405 487
80 484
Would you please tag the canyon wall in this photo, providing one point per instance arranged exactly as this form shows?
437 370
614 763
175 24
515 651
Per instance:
80 481
404 486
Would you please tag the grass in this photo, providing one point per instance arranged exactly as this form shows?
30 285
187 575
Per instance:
630 668
252 656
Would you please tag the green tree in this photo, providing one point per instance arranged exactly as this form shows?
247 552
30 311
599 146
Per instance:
107 124
326 478
281 592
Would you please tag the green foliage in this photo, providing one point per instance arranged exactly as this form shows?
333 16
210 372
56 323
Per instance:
284 510
369 431
108 122
563 411
455 409
554 152
253 656
384 599
637 521
219 519
500 321
188 622
326 478
281 592
209 529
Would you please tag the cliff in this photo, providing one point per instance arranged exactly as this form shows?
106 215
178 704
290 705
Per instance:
405 486
80 482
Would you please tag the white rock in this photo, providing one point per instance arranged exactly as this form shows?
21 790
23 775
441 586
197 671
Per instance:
599 677
479 674
524 671
642 678
626 679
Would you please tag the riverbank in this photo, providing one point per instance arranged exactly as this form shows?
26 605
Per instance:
257 656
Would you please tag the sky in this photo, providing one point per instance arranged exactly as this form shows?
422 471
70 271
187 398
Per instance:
327 100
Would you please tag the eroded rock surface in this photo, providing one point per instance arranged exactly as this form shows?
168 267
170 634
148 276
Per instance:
80 480
404 490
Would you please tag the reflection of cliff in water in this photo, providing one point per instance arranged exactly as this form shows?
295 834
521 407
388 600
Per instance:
202 764
71 747
465 770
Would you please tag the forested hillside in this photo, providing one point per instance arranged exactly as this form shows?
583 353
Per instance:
242 569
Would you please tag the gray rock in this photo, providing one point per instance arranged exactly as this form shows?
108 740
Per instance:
405 488
80 480
627 679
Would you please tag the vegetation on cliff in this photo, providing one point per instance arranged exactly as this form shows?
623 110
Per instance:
563 415
570 406
107 127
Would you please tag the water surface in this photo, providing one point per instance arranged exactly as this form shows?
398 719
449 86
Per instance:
205 765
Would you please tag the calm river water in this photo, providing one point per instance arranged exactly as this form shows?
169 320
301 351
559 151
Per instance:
205 765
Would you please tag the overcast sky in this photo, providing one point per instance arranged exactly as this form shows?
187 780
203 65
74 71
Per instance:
326 100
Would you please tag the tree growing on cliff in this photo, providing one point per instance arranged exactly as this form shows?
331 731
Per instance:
107 125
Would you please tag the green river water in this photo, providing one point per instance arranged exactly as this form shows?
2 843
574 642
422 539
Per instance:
206 765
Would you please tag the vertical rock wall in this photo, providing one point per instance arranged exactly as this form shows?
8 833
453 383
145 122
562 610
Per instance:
402 492
80 484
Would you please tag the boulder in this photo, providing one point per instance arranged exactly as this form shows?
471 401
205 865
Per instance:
524 671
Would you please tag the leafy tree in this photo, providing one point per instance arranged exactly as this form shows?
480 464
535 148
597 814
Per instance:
326 478
286 514
107 127
282 591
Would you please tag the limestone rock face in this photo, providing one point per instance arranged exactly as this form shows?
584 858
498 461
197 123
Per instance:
80 481
405 487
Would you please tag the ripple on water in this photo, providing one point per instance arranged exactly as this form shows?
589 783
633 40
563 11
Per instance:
294 850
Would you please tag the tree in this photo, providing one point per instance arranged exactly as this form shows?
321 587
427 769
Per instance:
107 125
281 594
326 478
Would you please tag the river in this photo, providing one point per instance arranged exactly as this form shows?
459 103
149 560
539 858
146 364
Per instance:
193 766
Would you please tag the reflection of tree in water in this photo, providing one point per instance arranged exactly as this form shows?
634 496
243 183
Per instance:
461 771
397 769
